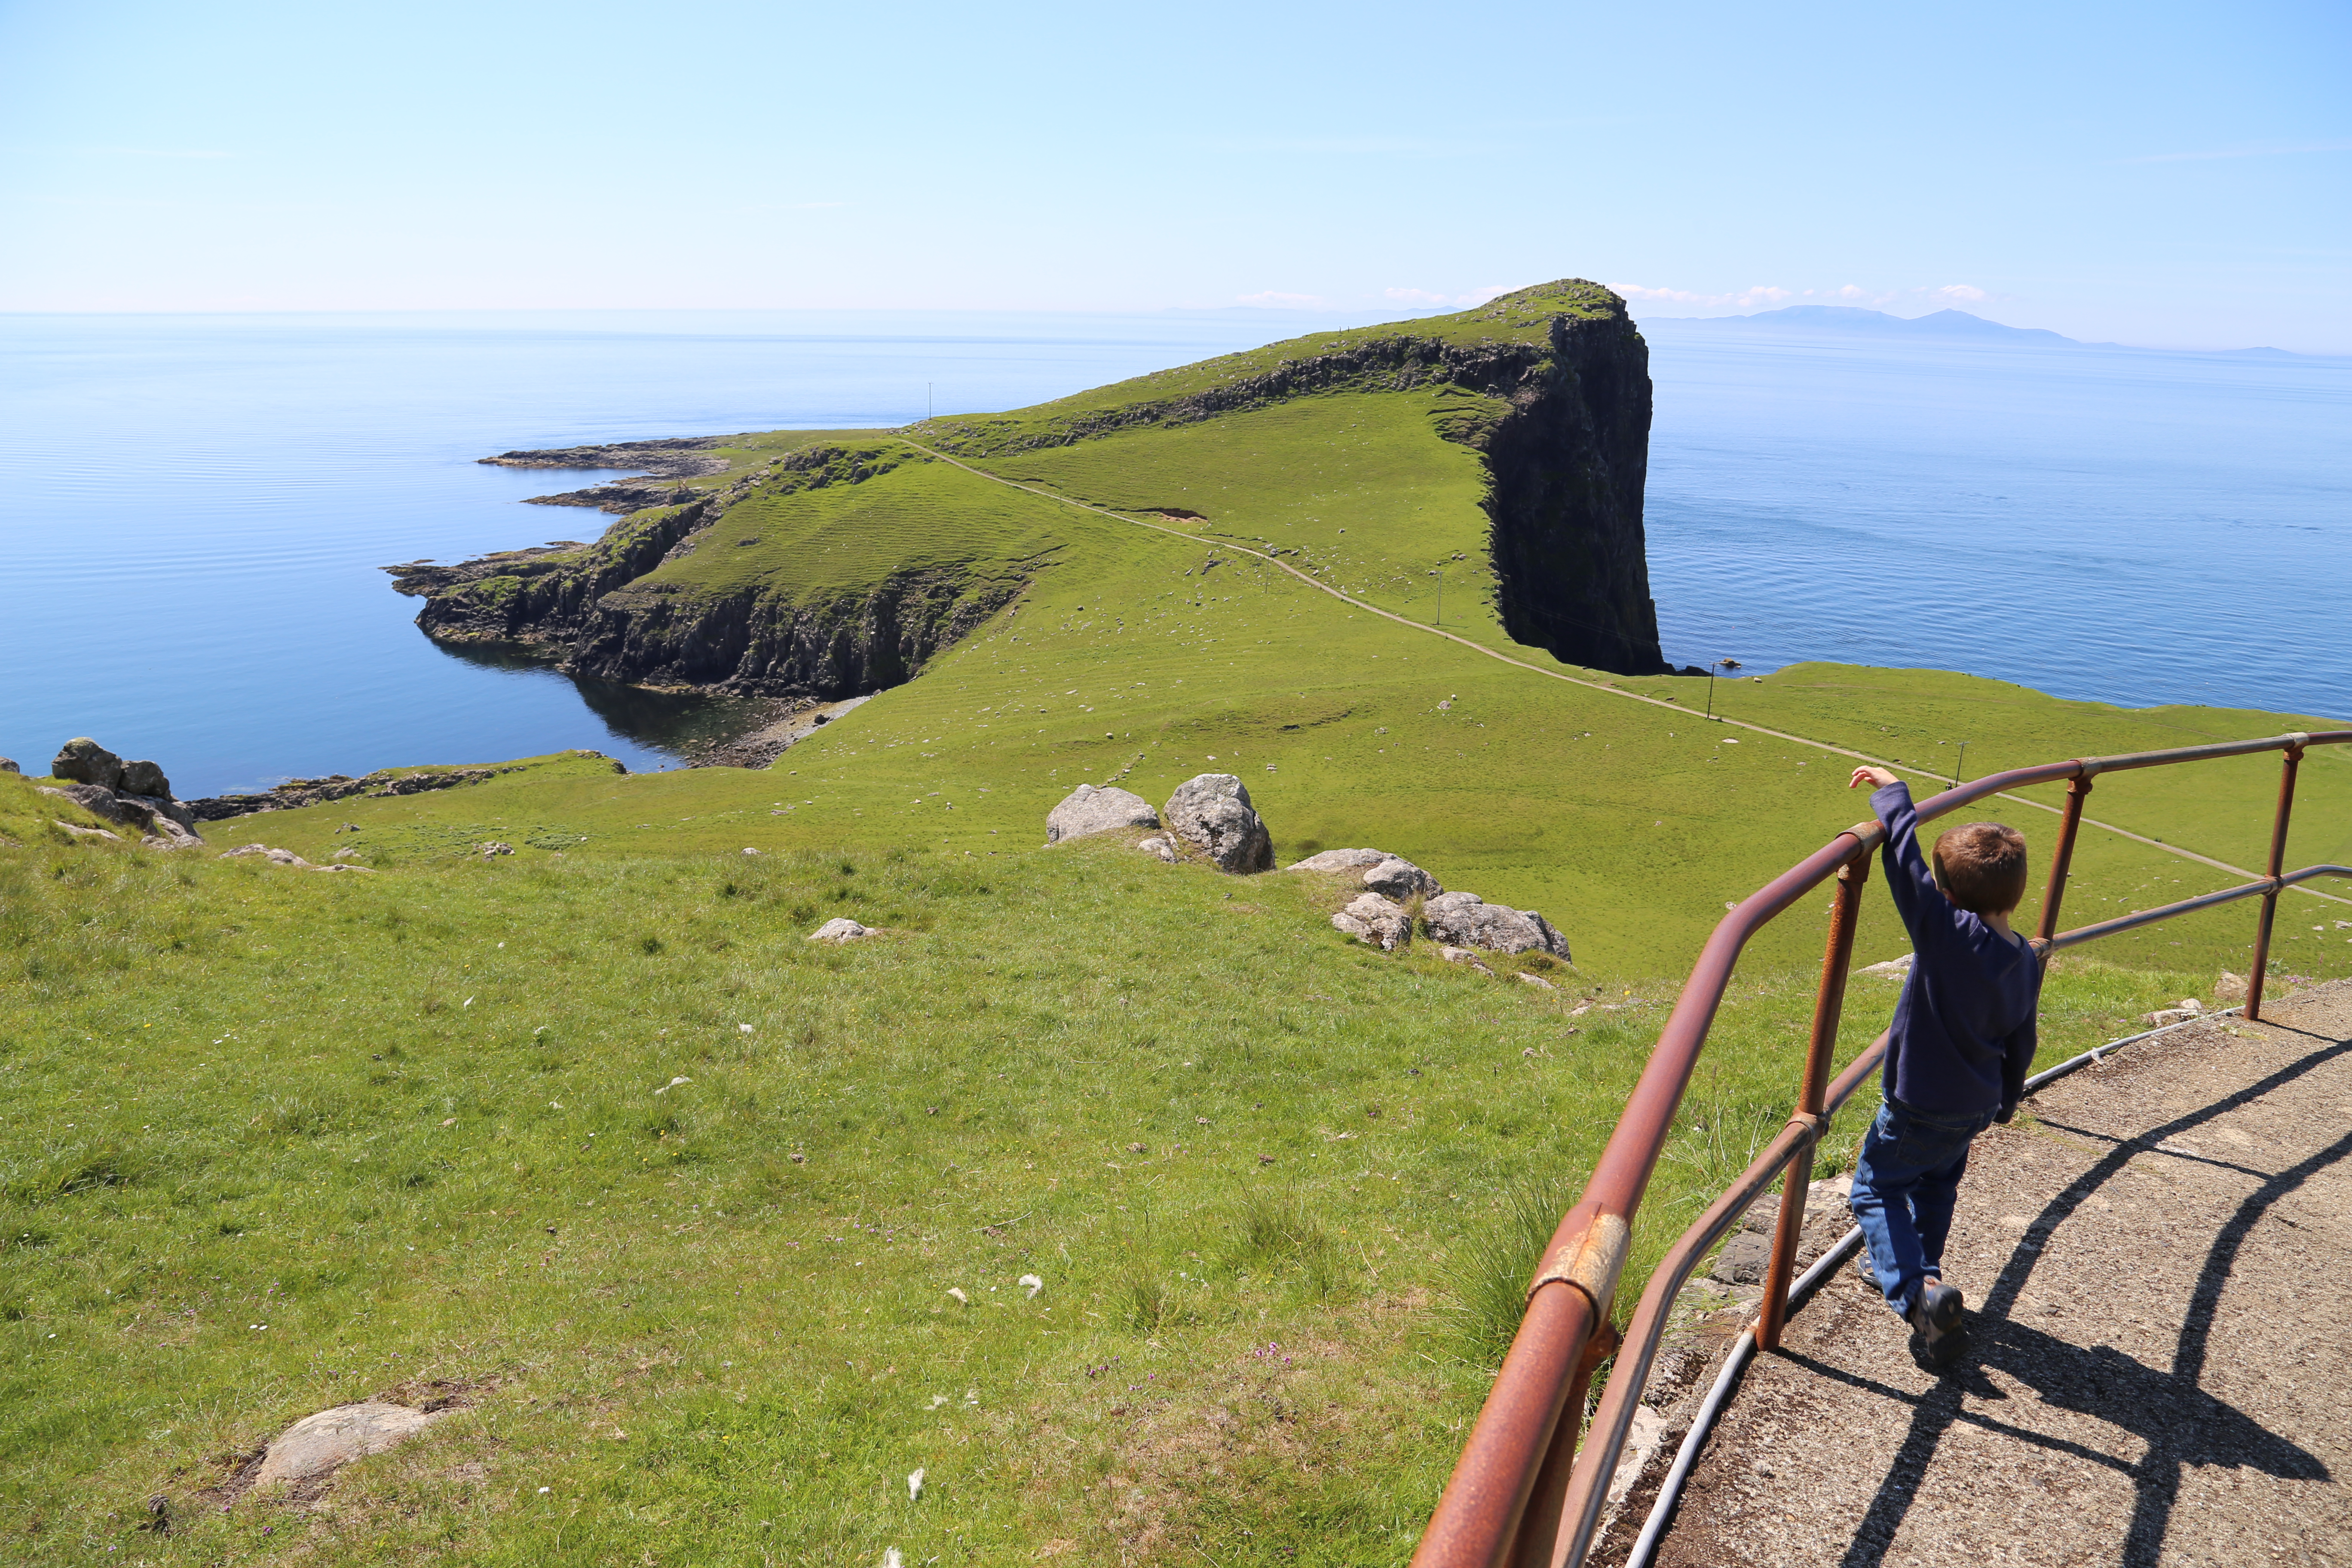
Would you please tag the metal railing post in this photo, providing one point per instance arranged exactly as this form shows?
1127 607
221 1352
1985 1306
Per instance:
2062 858
1829 1004
1538 1534
2270 900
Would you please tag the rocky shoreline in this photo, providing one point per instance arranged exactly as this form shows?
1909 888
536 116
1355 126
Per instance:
659 465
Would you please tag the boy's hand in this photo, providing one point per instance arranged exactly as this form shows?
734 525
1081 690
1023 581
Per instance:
1877 778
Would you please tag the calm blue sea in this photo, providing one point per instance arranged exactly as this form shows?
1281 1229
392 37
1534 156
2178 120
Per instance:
194 509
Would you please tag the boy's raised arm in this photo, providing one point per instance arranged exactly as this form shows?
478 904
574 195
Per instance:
1908 881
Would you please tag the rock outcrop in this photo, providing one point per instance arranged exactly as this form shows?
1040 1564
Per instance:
1465 920
283 857
840 930
1396 878
1214 812
1373 919
164 823
83 761
1340 861
1087 810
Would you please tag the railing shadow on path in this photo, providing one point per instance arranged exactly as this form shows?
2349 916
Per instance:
2180 1424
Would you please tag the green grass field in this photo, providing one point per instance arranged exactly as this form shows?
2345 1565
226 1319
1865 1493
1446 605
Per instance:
589 1138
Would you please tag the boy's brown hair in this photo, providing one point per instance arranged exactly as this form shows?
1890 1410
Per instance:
1982 868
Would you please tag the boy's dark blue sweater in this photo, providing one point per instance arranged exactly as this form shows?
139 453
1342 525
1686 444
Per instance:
1963 1034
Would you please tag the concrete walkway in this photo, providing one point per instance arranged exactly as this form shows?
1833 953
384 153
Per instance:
2158 1260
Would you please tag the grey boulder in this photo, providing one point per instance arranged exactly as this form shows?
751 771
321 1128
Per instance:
1372 918
1086 810
1214 811
1396 878
318 1444
1465 920
8 765
144 778
840 930
1341 860
84 761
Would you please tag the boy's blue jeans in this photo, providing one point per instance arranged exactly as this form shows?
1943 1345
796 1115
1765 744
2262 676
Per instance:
1905 1181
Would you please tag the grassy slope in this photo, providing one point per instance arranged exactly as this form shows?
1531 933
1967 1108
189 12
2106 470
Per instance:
241 1095
277 1140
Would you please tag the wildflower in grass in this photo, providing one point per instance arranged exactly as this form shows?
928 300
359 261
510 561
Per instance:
1034 1283
915 1485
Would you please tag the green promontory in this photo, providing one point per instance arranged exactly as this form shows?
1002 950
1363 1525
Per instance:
829 564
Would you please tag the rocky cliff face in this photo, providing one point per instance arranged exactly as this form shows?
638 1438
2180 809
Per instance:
588 605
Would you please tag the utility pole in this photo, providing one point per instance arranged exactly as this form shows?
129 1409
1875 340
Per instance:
927 402
1441 597
1960 766
1719 664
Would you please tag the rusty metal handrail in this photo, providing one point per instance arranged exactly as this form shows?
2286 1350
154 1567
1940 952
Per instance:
1521 1493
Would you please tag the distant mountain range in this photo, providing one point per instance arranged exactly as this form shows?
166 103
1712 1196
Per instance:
1848 321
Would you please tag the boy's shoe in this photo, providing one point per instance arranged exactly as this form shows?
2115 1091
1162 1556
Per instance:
1938 1317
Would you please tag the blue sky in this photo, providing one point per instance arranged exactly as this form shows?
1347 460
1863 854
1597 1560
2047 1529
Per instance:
2149 173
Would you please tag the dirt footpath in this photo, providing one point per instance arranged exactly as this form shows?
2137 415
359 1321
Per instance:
2157 1260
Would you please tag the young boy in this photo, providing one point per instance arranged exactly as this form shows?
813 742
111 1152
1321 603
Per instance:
1956 1056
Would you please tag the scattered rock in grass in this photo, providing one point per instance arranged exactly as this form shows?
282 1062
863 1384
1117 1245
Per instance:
840 930
1892 969
1465 920
318 1444
490 849
2188 1007
84 761
2230 988
1396 877
1463 956
1214 811
275 856
748 850
1160 846
80 832
1341 860
1087 810
1373 919
8 765
1538 980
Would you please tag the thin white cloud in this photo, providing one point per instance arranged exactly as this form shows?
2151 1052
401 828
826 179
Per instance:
1770 297
1275 299
2274 151
159 153
1425 297
1761 294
